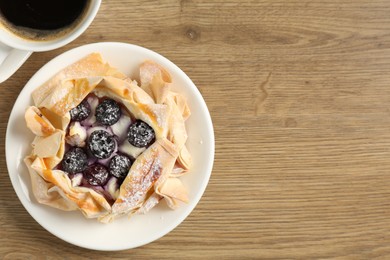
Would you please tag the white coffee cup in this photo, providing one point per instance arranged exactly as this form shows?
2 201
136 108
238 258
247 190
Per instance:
15 50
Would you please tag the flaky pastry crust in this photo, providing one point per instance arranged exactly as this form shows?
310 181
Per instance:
155 173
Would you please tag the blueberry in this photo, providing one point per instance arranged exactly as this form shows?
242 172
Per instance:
120 166
140 134
74 161
108 112
101 144
96 174
81 112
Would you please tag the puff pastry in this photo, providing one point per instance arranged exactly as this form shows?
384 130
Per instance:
155 173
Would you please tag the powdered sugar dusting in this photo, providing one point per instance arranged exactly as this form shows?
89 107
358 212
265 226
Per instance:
152 201
142 177
159 111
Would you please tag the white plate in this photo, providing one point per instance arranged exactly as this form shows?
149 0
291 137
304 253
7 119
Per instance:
123 233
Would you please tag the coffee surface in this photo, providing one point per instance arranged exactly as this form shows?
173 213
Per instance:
42 14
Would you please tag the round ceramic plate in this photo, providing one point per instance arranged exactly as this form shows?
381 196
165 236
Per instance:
123 233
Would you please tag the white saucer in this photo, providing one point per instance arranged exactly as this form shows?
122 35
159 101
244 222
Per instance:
123 233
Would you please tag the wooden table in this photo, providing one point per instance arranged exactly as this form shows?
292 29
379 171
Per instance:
299 94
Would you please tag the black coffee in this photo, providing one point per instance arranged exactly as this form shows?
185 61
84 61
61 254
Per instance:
41 18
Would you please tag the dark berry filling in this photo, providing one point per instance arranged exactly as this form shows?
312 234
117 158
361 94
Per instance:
74 161
81 112
120 165
109 127
96 174
140 134
108 112
101 144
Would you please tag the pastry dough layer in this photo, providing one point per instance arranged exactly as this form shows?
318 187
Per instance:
155 173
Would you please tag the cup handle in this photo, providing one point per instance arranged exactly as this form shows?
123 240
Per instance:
10 60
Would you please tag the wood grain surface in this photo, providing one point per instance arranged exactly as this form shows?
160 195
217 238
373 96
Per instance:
299 94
